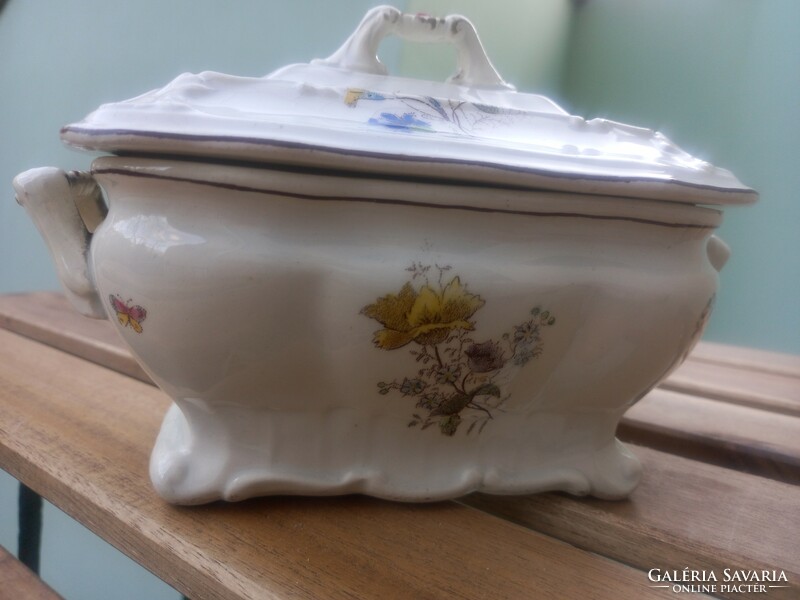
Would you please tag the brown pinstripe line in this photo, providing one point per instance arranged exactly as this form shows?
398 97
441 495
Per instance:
242 188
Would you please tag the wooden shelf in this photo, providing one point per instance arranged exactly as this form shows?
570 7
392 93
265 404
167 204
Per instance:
17 582
78 420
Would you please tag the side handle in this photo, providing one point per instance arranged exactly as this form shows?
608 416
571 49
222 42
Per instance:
718 252
52 198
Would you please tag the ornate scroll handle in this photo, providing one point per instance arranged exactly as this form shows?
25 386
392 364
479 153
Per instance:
359 52
66 208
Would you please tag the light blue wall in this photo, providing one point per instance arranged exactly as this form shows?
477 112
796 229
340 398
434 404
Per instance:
722 79
526 41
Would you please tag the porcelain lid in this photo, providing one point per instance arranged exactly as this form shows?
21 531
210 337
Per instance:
345 113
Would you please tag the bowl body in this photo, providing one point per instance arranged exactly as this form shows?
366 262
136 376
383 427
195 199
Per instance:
324 335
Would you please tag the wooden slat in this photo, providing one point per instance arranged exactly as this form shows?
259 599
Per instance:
47 317
80 434
769 381
748 358
738 437
674 422
683 514
737 385
17 582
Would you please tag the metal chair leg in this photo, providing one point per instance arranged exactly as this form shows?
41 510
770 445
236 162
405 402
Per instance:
30 528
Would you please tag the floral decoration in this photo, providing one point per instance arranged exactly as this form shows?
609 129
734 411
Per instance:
459 380
405 121
426 113
127 315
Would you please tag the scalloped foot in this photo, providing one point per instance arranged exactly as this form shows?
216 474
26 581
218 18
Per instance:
199 460
610 474
186 468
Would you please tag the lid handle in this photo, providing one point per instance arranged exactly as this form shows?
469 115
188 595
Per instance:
359 52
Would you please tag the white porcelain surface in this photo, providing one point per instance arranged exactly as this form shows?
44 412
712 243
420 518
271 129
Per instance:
325 334
258 310
340 113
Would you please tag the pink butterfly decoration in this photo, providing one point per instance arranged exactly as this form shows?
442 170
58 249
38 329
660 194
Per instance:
128 316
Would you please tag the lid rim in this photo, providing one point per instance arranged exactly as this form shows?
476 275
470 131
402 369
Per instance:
665 188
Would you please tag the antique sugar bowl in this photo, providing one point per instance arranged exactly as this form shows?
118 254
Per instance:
353 282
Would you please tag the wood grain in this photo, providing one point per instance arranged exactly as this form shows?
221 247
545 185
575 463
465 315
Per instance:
748 439
80 434
47 317
738 384
748 358
681 422
17 582
683 513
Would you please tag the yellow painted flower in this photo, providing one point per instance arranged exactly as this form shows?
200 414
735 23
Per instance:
424 317
352 96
